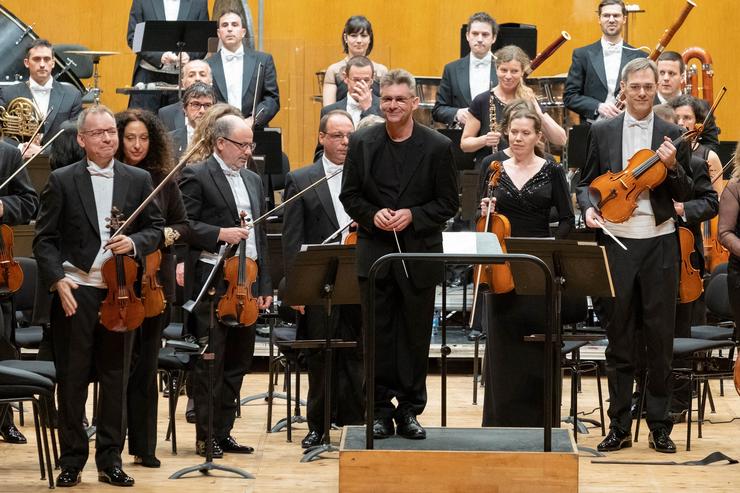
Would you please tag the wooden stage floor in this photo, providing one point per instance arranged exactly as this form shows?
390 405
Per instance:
277 468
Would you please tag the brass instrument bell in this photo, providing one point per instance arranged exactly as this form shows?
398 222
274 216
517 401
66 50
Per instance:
20 119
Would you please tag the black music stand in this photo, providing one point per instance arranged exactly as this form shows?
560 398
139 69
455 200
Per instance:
579 269
209 290
175 36
269 146
328 277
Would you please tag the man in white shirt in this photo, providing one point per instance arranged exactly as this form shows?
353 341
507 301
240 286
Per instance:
196 100
360 101
464 79
592 84
235 69
62 101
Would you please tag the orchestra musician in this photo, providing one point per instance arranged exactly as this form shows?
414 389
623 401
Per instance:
477 136
592 84
235 68
465 78
311 219
196 100
72 242
149 65
360 100
530 186
144 144
400 186
357 40
61 98
729 233
173 115
215 191
18 205
651 259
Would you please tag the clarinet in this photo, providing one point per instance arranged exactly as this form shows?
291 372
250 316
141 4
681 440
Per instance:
492 123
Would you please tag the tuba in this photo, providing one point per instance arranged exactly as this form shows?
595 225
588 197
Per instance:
705 90
20 119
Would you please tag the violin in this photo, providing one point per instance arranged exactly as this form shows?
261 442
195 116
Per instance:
11 273
351 238
152 294
122 310
690 285
714 252
237 307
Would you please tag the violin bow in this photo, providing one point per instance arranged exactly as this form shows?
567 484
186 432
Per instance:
335 233
23 166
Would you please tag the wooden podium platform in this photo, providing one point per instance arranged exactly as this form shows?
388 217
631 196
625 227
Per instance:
459 459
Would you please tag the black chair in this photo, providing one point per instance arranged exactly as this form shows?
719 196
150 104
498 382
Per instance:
289 357
175 360
28 332
21 385
577 368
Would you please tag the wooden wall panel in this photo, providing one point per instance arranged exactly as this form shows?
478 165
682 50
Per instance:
419 35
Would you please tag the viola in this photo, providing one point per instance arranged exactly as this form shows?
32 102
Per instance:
152 294
237 307
714 252
11 273
122 310
690 285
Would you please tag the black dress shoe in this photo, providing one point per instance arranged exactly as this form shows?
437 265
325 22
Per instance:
408 427
68 477
229 444
115 476
200 449
383 428
661 441
11 434
311 440
147 461
615 440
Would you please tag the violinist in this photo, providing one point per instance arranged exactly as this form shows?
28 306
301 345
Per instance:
729 233
528 188
18 204
651 260
71 244
215 191
311 219
144 144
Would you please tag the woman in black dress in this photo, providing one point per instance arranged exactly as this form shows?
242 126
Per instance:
145 144
530 186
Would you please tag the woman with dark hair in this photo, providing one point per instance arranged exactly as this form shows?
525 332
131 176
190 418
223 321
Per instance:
145 144
65 149
357 40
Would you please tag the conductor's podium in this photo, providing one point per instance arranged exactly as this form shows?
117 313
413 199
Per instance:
459 459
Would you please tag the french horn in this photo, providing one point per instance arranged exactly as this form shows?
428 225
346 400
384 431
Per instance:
20 119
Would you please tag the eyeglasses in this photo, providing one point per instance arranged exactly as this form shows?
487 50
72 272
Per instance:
338 135
638 87
196 105
242 145
400 100
98 134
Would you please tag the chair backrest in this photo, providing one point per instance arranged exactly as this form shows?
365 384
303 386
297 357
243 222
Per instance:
83 67
717 297
25 296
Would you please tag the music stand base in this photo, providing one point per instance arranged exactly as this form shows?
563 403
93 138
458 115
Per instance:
265 395
208 466
313 453
284 423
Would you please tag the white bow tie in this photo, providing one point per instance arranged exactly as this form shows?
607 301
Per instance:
104 172
230 172
641 124
330 169
43 90
234 56
613 48
486 62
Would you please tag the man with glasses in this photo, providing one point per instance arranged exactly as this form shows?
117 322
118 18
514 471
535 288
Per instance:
360 101
645 276
72 242
592 85
215 191
196 100
194 71
311 219
400 186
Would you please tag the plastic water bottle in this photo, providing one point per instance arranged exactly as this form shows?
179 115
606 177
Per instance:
435 323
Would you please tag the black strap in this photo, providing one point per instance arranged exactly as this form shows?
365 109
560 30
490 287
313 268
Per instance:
709 459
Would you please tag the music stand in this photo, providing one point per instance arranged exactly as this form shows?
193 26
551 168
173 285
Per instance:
328 277
175 36
269 146
210 290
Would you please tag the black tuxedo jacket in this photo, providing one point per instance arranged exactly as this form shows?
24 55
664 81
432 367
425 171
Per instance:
211 206
173 116
585 86
67 226
179 141
604 153
65 102
269 96
20 200
374 108
454 90
428 187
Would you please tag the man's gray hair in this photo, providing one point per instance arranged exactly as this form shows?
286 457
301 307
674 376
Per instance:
638 64
92 110
399 76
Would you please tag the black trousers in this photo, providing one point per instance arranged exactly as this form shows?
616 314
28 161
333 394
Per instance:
142 386
645 280
83 348
403 330
233 349
347 392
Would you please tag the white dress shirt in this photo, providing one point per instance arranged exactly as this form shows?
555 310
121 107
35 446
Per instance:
637 135
335 186
171 9
241 197
41 94
480 74
612 60
354 110
190 131
233 63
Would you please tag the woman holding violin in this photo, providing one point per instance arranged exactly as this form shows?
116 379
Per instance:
146 145
487 109
729 233
528 188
